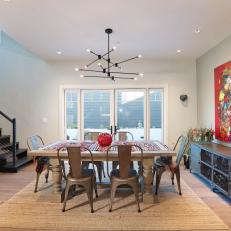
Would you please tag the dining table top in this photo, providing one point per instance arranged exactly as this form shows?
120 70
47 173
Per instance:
150 148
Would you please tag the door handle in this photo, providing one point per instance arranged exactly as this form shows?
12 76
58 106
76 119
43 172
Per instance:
111 130
115 129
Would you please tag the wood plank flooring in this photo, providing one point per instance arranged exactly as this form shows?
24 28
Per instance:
10 183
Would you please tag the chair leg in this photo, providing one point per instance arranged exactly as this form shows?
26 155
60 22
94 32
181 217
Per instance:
47 173
172 178
159 172
153 173
95 187
63 166
114 164
66 195
113 192
99 170
135 189
104 175
177 172
89 190
36 183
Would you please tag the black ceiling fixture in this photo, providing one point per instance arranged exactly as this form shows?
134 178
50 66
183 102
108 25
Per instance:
106 69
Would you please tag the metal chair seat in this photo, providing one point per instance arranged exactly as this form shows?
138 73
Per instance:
162 162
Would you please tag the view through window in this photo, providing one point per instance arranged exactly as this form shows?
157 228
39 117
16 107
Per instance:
139 111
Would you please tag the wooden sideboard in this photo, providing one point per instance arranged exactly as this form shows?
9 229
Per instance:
213 163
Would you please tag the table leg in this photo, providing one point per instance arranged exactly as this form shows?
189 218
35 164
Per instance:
57 178
148 178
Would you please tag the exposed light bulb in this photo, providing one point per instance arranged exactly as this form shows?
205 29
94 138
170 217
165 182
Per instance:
85 66
197 31
76 69
141 74
88 50
178 51
59 52
139 56
99 64
114 48
81 76
135 79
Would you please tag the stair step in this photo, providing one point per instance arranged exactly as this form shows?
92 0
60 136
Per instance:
20 153
4 140
8 147
2 161
9 167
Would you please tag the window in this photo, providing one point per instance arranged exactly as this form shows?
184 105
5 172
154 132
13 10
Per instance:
139 111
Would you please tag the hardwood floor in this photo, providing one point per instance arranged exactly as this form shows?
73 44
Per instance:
11 183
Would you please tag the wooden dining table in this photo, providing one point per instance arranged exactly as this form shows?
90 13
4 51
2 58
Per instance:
151 150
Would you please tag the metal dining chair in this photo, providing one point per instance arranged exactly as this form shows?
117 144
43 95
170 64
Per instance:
160 166
99 164
122 136
35 142
125 175
79 175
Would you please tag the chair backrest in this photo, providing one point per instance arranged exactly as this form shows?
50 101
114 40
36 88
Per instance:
183 142
35 142
91 136
124 156
123 136
74 159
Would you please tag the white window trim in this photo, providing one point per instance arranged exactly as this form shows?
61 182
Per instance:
110 87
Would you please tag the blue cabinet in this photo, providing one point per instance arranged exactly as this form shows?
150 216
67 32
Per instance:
213 163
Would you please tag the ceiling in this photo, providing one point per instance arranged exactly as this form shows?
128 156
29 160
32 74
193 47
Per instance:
153 28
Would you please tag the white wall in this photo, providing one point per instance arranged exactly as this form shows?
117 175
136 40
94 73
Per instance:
29 89
205 81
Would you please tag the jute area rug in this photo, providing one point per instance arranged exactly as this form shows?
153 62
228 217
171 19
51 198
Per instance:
33 211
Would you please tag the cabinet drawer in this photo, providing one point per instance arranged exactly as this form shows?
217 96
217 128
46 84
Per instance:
222 181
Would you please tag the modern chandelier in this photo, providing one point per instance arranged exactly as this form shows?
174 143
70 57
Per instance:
107 67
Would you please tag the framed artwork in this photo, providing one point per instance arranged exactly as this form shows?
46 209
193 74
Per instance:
222 82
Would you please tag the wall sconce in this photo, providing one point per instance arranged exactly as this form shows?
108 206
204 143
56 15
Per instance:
183 98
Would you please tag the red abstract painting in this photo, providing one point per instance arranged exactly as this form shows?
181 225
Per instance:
222 82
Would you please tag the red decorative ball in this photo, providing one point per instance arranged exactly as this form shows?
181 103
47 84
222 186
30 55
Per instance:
104 139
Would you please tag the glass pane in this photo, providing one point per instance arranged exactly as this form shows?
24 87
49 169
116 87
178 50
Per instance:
156 111
96 111
71 102
130 112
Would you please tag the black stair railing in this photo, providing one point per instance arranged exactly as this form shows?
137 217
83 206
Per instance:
13 122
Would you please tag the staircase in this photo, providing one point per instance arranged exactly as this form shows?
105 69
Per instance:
12 157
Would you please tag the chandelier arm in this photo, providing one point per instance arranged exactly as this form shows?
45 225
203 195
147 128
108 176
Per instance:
101 66
107 53
94 53
95 76
92 62
124 73
118 77
126 60
91 70
113 64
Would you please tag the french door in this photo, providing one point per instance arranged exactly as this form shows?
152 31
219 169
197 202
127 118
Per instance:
138 111
96 110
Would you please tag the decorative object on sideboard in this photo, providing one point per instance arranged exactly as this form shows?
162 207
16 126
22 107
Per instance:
200 135
105 64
